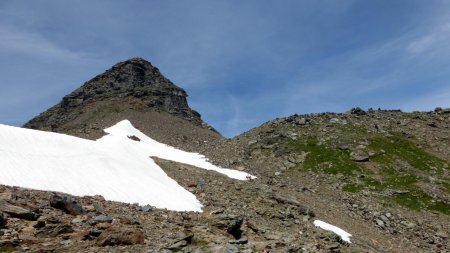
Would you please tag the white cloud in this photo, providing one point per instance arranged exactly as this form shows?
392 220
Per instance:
31 44
420 45
435 40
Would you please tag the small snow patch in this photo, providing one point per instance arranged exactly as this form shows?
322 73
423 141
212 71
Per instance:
345 236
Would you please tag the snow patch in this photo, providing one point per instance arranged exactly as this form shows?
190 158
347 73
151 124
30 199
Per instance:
345 236
157 149
114 166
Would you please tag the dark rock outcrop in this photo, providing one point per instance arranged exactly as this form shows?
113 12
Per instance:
68 204
134 80
3 220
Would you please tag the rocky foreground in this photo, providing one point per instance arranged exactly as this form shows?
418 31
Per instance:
38 221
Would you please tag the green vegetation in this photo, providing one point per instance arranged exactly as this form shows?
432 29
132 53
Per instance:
329 160
399 164
397 147
417 200
352 187
447 186
7 248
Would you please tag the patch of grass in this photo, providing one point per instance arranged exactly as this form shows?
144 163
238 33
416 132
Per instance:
418 200
327 159
353 188
447 186
402 164
7 249
440 207
398 147
410 201
399 181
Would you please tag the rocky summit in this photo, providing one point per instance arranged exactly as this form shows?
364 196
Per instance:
381 175
134 90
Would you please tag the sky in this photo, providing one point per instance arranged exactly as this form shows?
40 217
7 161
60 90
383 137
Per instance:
241 62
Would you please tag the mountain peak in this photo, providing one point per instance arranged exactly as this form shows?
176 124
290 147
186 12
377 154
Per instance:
135 77
136 62
133 86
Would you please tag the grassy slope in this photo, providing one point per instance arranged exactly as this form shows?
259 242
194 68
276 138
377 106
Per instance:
397 164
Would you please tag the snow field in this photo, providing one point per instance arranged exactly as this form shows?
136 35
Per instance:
114 166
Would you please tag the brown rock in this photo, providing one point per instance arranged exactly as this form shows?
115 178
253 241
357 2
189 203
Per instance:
103 225
16 211
6 195
121 236
29 239
54 230
79 235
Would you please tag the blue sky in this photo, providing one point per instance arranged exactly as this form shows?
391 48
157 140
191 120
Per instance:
241 62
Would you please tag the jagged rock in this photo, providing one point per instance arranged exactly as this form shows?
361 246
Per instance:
441 110
3 220
54 230
234 227
379 222
358 111
66 203
39 224
147 208
181 242
120 236
286 200
252 226
101 219
17 212
232 224
239 241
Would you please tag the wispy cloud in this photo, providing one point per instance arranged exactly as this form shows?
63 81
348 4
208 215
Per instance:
27 43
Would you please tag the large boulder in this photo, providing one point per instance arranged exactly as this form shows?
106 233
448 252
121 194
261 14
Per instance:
66 203
17 211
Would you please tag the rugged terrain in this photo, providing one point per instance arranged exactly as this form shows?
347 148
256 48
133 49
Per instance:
381 175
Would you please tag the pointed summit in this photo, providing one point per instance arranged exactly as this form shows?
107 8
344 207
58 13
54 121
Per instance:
133 89
134 78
